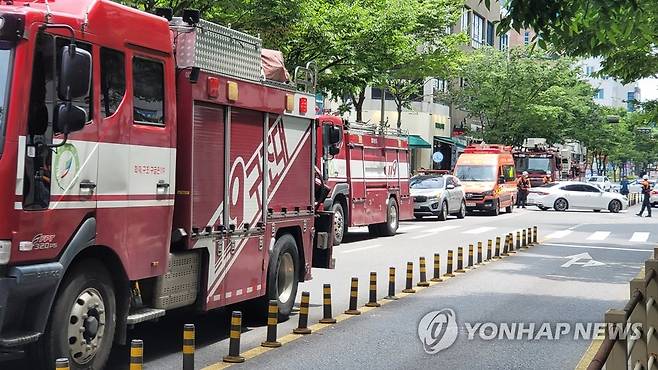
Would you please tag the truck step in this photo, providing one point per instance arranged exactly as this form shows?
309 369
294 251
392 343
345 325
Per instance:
145 314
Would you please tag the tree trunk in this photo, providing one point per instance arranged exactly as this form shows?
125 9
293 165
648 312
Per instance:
358 104
399 107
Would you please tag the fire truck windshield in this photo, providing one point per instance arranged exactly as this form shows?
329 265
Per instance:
476 173
5 65
533 164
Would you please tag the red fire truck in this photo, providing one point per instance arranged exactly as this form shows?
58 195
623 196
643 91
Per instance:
369 178
537 161
145 165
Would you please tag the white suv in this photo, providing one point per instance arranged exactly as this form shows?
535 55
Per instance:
602 182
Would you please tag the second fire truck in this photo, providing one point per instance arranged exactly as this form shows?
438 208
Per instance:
369 178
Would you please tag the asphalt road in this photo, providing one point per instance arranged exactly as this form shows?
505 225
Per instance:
531 286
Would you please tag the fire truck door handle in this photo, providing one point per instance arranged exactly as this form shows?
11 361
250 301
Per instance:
87 185
162 187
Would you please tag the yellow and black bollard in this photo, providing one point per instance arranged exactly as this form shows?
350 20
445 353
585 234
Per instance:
436 277
511 250
272 322
524 239
188 347
518 240
489 247
460 260
479 258
529 236
327 314
470 256
302 327
234 341
62 364
505 247
449 265
354 293
391 284
408 288
136 354
423 273
497 252
372 301
534 234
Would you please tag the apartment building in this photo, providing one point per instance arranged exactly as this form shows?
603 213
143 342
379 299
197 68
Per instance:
610 92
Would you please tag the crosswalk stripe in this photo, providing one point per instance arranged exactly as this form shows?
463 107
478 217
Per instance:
599 235
479 230
559 234
433 231
640 237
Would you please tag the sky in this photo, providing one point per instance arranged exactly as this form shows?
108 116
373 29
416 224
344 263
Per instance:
649 89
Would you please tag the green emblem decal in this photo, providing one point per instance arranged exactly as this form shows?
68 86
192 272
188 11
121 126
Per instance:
66 166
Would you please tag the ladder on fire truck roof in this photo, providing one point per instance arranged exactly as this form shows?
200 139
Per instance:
375 129
222 50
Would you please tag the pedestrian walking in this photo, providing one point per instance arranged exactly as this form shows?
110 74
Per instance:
623 189
646 196
523 186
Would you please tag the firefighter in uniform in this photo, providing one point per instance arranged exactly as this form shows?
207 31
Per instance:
523 185
547 178
646 196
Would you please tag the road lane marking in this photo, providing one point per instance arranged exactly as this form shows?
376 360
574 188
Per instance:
640 237
434 231
599 235
595 247
479 230
362 248
559 234
410 227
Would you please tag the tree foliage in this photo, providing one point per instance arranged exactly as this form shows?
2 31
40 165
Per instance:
519 94
623 32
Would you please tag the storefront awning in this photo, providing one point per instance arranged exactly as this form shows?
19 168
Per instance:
449 141
416 141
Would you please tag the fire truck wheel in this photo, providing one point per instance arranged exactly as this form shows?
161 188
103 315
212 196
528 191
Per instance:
339 223
462 210
443 214
82 323
283 275
392 219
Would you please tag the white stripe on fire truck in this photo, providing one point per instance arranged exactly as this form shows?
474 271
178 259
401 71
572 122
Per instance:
105 204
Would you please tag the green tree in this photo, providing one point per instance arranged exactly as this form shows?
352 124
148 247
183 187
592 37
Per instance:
519 94
623 32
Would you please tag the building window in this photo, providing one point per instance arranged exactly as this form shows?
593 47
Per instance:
589 70
438 86
599 94
376 94
113 80
490 34
477 34
148 91
526 38
630 101
464 21
504 42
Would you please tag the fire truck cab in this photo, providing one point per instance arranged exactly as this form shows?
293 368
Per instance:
368 177
146 164
538 161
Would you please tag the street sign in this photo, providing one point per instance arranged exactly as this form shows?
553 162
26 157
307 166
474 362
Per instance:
578 259
437 157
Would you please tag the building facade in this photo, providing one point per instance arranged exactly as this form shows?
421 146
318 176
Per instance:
610 92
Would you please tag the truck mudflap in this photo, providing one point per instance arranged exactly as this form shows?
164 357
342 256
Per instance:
323 241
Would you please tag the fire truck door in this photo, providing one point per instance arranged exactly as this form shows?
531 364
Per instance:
357 212
151 175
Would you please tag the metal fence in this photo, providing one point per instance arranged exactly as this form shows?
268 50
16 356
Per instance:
630 339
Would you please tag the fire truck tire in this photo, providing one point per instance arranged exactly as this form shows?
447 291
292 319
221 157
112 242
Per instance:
340 227
283 275
443 214
85 301
392 219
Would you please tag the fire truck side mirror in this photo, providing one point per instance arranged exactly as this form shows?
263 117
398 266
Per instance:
333 150
332 135
75 73
69 118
